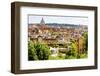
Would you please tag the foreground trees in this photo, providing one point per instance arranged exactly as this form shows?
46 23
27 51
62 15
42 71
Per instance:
73 51
79 48
38 51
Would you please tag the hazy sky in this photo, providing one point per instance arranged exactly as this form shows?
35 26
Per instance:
58 19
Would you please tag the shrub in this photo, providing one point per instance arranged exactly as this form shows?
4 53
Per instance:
38 51
31 51
73 52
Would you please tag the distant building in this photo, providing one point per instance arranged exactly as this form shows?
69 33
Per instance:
42 22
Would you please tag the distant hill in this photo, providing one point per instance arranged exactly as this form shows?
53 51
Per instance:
55 25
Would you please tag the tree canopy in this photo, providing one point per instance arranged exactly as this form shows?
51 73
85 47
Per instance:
38 51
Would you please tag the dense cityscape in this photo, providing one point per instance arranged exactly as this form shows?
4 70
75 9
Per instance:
58 41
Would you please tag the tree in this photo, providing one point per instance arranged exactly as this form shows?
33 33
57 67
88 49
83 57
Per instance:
31 51
38 51
73 51
43 51
85 35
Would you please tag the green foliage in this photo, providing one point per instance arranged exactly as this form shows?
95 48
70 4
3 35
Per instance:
84 55
38 51
32 51
73 52
43 51
85 35
62 51
58 57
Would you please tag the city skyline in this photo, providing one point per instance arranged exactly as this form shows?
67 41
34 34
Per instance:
32 19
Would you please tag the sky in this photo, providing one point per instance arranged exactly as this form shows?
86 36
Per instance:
58 19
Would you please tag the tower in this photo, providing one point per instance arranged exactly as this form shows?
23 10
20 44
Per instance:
42 22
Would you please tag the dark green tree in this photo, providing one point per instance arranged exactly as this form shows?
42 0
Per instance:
38 51
85 35
43 51
31 51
